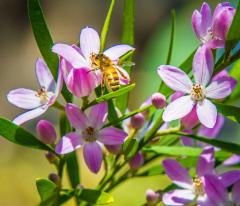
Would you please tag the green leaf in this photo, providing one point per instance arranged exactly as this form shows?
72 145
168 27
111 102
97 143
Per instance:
104 31
127 38
95 196
48 192
130 148
231 112
44 40
233 35
112 95
227 146
169 56
20 136
181 151
235 73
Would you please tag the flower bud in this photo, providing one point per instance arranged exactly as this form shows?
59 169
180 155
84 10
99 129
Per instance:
152 197
51 157
46 132
137 121
136 161
158 100
54 178
114 149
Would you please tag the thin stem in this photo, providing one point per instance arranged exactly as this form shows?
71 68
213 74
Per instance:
59 106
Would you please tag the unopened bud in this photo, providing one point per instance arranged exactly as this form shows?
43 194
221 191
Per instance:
46 132
136 161
114 149
51 157
153 197
158 100
137 121
54 178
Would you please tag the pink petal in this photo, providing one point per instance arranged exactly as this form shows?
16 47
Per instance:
219 89
207 113
203 64
111 136
177 173
230 177
98 114
30 115
197 24
92 154
224 75
44 75
175 78
70 54
81 82
212 132
235 193
190 120
234 159
66 68
206 17
176 95
46 132
69 143
178 108
76 117
89 42
115 52
59 82
178 197
24 98
206 162
124 76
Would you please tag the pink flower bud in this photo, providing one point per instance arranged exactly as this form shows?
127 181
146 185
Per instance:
114 149
152 197
51 157
137 121
158 100
46 132
54 178
136 161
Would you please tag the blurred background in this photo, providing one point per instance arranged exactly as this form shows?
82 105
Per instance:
19 167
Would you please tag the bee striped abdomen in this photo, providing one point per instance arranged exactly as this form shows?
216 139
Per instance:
112 79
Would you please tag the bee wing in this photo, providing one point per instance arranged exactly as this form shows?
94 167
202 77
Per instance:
123 75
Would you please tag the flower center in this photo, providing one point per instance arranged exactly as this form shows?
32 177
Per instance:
89 134
198 186
209 36
99 61
197 92
43 95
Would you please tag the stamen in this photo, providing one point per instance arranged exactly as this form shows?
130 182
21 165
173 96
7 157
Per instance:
89 134
197 93
198 186
42 94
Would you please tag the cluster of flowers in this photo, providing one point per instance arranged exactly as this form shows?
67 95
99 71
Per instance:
77 68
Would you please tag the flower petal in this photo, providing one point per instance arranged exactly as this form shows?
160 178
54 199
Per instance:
207 113
70 54
212 132
203 63
69 143
46 132
81 82
123 76
235 193
92 154
115 52
224 75
206 162
98 114
219 89
215 190
233 160
206 17
59 82
177 173
111 136
24 98
175 78
76 117
26 116
178 108
178 197
190 120
197 24
44 75
89 42
230 177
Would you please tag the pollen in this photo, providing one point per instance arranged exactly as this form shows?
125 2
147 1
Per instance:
42 94
197 92
89 134
198 186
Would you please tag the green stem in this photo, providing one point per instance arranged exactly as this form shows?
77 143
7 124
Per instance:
59 106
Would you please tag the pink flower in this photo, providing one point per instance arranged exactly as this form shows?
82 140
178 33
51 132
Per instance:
74 58
90 134
212 30
37 102
198 93
46 132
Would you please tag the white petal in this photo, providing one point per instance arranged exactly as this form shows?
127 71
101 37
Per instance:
178 108
115 52
219 89
207 113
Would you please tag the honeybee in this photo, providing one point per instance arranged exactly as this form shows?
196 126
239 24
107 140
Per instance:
110 72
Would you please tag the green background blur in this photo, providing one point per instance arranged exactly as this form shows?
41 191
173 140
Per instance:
19 167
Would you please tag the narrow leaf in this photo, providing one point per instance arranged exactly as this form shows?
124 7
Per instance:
95 197
130 148
170 50
20 136
229 111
